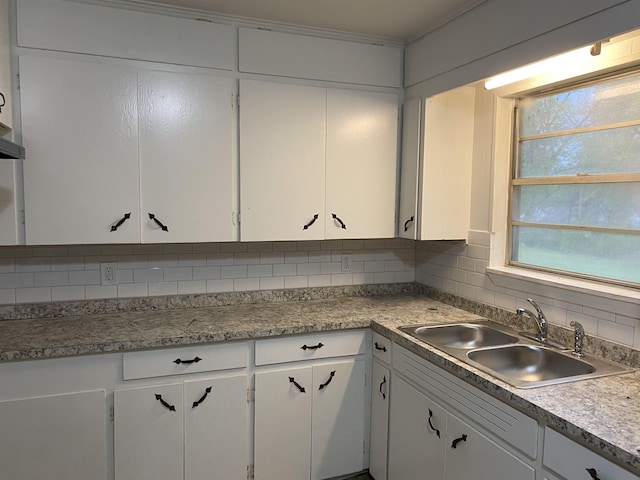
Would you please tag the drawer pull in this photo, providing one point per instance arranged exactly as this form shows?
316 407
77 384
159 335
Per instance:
162 226
166 405
337 219
434 429
331 375
300 387
312 347
593 473
455 443
313 220
178 361
126 217
202 398
406 224
384 380
378 347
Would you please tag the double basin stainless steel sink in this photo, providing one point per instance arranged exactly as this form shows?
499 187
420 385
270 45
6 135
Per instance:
511 356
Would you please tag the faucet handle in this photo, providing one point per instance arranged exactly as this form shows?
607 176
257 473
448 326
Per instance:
578 336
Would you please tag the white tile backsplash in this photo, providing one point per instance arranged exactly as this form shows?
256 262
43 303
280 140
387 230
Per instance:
73 272
611 319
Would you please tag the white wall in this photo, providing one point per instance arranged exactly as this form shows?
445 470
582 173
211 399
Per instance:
43 274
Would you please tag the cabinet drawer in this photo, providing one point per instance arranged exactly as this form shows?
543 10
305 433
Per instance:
571 460
308 347
381 347
178 361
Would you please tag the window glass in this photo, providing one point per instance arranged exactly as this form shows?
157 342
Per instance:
575 190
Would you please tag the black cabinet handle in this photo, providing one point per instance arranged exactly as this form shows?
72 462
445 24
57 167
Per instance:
331 375
313 220
593 473
384 380
126 217
406 224
165 404
178 361
455 443
337 219
207 391
434 429
158 222
312 347
300 387
378 347
4 101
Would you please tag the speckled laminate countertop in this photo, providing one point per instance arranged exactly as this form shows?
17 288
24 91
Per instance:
603 414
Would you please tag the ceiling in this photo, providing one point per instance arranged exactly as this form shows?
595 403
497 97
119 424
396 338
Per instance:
398 20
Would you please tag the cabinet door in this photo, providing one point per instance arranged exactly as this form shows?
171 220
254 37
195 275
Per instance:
80 127
282 161
338 419
216 437
61 437
362 138
9 231
468 451
410 169
417 429
185 157
148 433
446 169
283 424
379 421
5 72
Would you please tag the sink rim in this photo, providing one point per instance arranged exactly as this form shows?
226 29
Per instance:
602 367
510 338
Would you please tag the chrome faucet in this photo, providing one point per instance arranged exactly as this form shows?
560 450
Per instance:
578 337
541 320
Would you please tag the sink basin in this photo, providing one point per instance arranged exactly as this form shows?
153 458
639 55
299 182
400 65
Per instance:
529 366
465 336
511 357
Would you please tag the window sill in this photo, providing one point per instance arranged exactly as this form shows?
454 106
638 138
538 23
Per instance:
596 295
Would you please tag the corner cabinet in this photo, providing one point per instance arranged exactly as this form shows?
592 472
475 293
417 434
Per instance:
309 398
430 428
380 399
437 152
316 163
136 156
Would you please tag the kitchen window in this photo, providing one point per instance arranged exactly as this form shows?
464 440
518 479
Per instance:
575 187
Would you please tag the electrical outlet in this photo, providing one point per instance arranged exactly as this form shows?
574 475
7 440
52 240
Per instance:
346 262
108 274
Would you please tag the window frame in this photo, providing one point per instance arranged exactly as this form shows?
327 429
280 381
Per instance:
577 179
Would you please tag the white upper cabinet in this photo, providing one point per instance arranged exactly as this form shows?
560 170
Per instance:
117 32
437 192
446 171
282 161
80 127
109 145
362 132
410 169
185 157
5 71
307 154
300 56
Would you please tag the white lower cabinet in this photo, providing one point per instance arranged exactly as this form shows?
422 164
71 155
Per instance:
571 461
310 408
379 432
192 430
309 421
430 436
57 437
